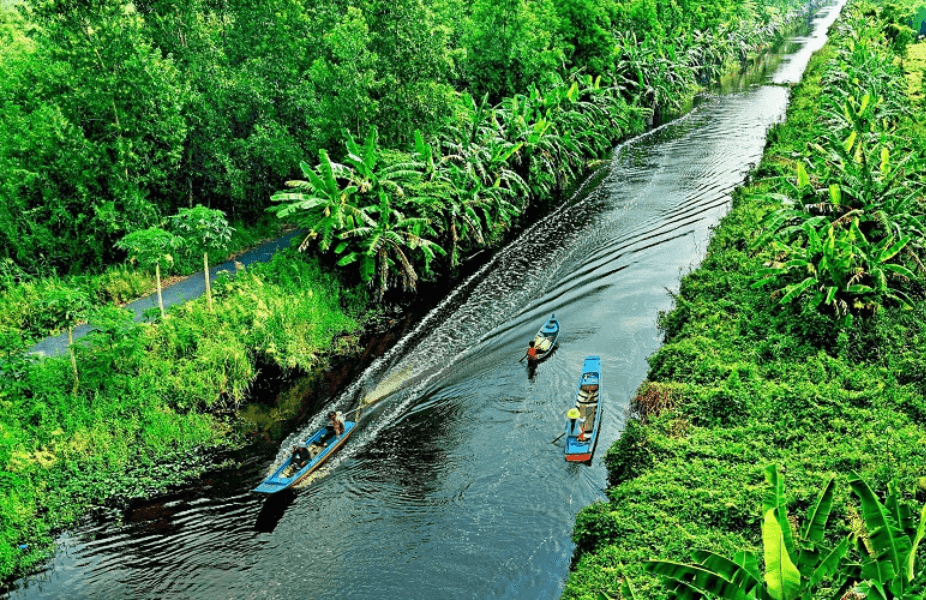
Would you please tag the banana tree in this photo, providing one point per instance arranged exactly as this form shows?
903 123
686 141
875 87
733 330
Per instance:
322 205
368 171
385 245
843 252
794 567
839 268
888 550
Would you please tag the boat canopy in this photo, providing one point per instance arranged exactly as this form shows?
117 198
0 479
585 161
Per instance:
590 379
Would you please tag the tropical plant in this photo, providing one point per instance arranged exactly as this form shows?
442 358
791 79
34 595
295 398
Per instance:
888 547
385 240
322 205
119 341
653 77
204 229
803 567
795 567
152 247
67 307
370 173
843 251
839 267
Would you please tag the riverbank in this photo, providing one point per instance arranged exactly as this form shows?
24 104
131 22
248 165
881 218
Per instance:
743 381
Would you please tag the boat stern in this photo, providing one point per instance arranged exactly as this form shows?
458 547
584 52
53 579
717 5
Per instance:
577 451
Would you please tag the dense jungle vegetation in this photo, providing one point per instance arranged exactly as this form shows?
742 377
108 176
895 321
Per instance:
400 136
792 382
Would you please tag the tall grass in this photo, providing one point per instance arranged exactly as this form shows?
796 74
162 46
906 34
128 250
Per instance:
152 397
24 319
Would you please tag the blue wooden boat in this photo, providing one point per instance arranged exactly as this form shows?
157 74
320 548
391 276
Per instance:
582 432
320 445
545 340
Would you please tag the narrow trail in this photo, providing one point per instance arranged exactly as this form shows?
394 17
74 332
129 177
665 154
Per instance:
187 289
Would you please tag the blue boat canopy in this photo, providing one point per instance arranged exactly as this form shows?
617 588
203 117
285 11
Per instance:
551 325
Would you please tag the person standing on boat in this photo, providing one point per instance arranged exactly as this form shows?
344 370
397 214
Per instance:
572 415
531 351
337 424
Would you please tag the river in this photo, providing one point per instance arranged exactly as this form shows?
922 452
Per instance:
453 486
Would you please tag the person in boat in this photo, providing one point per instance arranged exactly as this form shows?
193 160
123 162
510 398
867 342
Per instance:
575 417
531 351
301 456
572 415
337 424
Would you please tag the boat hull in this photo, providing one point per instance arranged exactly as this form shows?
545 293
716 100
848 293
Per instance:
279 481
546 338
582 435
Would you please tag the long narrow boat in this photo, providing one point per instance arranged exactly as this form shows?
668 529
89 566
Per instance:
545 340
320 445
582 432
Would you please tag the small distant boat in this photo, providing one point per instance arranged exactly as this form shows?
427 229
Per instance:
582 432
320 445
546 337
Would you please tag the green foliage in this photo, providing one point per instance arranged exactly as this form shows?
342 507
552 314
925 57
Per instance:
150 247
630 455
203 229
115 116
888 551
797 567
92 127
347 63
847 237
151 398
754 382
794 567
509 44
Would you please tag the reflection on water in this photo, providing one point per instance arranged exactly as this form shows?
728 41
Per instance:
451 487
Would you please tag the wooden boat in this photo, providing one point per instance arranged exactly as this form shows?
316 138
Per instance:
545 340
320 445
582 433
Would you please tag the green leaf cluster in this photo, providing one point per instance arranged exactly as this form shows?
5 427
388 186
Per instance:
116 115
848 238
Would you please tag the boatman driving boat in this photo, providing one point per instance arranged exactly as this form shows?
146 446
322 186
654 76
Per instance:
572 415
531 351
337 424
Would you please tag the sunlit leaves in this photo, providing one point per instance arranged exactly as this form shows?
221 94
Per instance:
847 252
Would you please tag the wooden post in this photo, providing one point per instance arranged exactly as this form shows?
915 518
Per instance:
208 289
73 358
157 276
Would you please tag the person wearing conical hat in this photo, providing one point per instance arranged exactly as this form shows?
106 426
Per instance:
572 415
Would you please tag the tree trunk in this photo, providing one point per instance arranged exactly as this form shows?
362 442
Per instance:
157 276
206 274
73 358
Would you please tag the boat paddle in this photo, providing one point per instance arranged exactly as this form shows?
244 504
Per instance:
572 414
356 410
